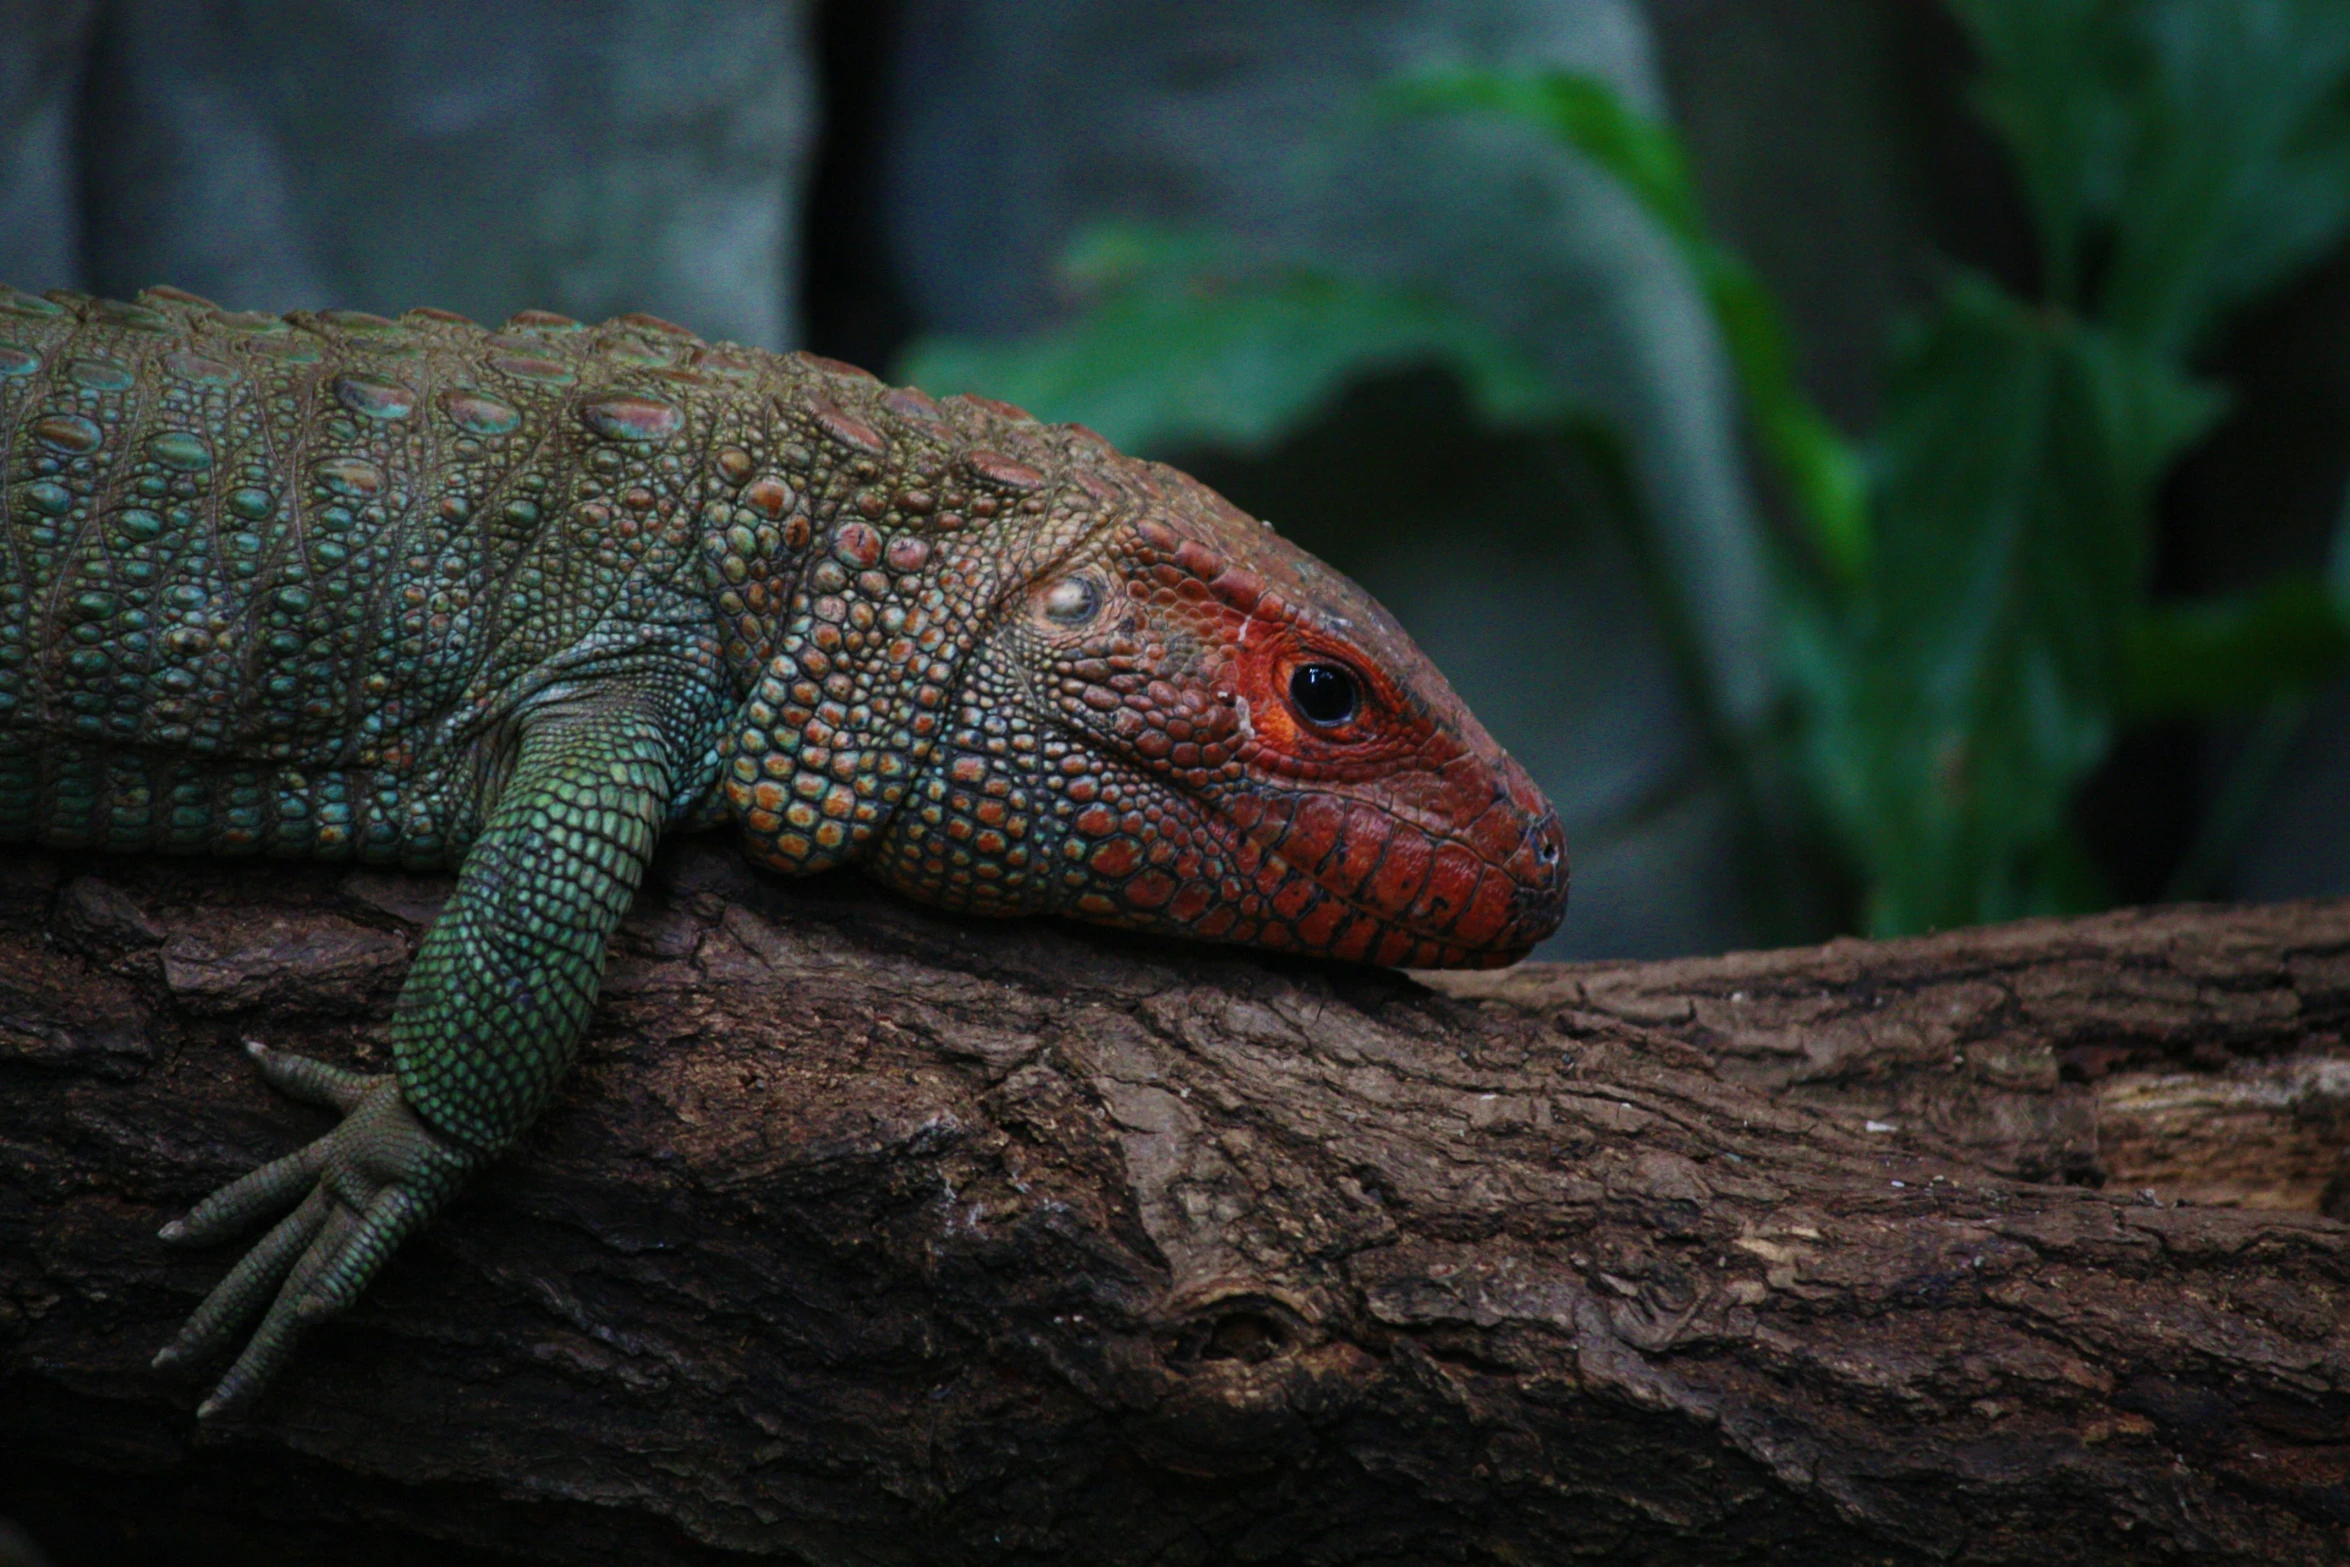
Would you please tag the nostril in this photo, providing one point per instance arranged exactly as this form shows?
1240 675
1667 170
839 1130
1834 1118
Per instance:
1548 854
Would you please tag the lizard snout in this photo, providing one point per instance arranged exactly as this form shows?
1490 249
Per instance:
1539 869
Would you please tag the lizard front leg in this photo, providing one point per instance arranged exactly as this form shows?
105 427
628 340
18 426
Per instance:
487 1023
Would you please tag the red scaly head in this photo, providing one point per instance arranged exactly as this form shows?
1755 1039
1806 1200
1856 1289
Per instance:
1180 722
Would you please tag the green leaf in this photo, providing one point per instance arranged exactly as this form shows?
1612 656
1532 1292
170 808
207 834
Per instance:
1582 112
1187 343
1954 714
2206 142
2052 87
1823 473
2241 169
2229 656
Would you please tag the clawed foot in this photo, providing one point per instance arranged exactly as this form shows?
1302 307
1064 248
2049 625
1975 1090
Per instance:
362 1189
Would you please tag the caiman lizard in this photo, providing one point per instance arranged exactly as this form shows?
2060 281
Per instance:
513 603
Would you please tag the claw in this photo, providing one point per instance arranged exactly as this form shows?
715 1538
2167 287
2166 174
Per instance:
299 1077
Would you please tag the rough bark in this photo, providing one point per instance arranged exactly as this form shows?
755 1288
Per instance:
867 1236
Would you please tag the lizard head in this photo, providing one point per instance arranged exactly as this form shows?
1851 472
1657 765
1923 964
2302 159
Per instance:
1177 721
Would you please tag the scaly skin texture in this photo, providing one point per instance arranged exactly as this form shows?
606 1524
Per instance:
414 593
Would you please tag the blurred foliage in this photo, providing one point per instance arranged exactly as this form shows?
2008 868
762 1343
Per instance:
1965 600
1816 463
2179 157
1188 340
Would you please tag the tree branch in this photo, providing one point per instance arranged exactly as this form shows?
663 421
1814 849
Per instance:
864 1235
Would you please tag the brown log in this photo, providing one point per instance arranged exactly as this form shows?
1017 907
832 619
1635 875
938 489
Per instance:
864 1235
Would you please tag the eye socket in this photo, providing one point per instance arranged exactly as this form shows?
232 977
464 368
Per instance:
1073 601
1324 693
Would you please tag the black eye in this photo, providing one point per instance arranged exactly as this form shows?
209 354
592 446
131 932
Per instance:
1324 693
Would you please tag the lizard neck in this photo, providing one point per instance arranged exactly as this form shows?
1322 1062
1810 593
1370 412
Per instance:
865 538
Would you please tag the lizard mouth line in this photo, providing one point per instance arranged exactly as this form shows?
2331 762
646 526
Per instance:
1401 922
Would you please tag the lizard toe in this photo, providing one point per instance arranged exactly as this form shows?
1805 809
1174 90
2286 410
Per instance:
314 1082
250 1286
362 1189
